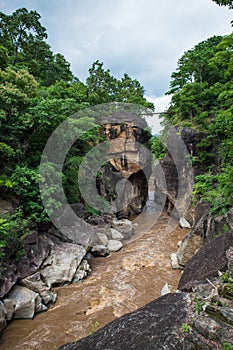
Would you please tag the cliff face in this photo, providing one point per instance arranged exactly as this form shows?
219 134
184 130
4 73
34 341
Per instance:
179 171
125 177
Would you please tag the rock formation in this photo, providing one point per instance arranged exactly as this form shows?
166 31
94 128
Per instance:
128 161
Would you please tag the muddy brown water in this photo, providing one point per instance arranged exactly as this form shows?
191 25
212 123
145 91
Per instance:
120 283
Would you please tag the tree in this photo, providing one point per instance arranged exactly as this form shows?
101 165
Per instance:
202 88
23 38
19 28
224 3
102 87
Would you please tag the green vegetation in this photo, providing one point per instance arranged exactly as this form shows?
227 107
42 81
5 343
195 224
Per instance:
202 92
185 328
227 346
37 92
94 327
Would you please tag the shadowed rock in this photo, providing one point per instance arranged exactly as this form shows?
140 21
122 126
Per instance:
158 325
210 259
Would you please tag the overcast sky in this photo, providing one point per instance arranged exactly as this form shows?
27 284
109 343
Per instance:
143 38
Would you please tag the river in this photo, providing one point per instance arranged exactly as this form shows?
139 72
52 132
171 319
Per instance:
120 283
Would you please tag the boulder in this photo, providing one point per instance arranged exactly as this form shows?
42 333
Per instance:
184 223
25 302
116 234
2 316
10 308
100 250
62 263
102 238
39 284
124 226
35 256
174 262
80 232
10 277
210 259
82 272
188 247
158 325
114 246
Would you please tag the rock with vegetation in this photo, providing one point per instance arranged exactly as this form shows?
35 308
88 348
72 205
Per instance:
210 259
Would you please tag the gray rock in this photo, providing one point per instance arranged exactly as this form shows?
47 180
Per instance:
102 238
24 300
36 254
39 306
188 247
100 250
2 316
124 226
116 234
184 223
11 276
80 233
62 263
174 262
158 325
114 245
165 290
210 259
208 327
82 272
10 308
42 287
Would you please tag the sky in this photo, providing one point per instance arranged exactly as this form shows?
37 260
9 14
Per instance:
143 38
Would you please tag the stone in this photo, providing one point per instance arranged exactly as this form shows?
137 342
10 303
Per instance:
35 256
206 263
25 302
174 262
102 238
116 234
100 250
62 263
188 247
10 277
39 306
82 272
158 325
2 316
40 285
114 246
80 232
184 223
165 290
10 308
124 226
208 327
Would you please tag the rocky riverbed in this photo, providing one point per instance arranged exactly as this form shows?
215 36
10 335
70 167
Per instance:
120 283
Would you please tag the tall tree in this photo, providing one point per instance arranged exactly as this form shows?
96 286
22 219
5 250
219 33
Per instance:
225 3
23 38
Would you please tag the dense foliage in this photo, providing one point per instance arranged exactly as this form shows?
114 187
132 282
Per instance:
202 95
37 92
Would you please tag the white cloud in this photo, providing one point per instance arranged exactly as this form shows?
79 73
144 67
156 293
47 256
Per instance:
143 38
